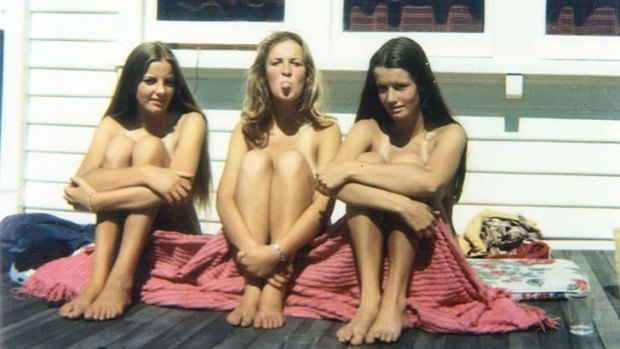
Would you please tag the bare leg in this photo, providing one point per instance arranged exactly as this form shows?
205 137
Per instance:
107 235
367 241
402 245
116 294
292 189
252 198
391 318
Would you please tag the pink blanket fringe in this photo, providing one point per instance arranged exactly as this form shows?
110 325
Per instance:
199 272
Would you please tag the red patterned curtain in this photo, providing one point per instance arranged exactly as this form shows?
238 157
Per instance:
583 17
414 15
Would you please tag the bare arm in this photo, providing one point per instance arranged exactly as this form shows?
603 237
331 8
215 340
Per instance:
402 178
144 190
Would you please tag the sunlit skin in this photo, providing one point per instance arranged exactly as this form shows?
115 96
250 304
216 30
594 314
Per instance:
393 184
268 195
136 169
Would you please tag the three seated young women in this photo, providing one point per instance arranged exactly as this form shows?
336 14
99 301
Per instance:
400 170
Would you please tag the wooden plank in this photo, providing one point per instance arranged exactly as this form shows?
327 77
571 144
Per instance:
541 190
62 26
73 6
72 83
543 157
283 337
78 111
151 330
83 55
569 129
120 328
605 273
67 332
555 222
69 139
605 318
216 331
182 330
56 167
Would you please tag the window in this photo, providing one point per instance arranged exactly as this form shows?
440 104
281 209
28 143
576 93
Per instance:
465 16
221 10
583 17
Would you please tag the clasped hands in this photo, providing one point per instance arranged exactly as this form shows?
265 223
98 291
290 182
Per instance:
263 261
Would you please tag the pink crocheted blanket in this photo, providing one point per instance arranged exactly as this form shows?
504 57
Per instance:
199 272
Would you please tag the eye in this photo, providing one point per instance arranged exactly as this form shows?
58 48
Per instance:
169 82
149 80
381 88
297 63
401 86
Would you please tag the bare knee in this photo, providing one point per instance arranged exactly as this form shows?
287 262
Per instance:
119 152
256 163
372 157
150 150
291 164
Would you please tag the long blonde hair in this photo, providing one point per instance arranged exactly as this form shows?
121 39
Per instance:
258 109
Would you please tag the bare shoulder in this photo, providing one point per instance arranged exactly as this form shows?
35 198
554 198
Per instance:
110 125
330 131
453 131
191 120
365 127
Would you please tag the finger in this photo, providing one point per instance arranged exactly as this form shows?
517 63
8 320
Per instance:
275 283
184 174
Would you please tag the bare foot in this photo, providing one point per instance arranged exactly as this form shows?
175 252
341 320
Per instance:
269 313
111 303
243 315
76 308
388 325
356 329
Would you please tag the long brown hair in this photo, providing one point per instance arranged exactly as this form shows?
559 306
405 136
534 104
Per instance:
124 105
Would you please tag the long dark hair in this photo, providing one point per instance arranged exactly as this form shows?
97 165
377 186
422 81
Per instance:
124 105
408 55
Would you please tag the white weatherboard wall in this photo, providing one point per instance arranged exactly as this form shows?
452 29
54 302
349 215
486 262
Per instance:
536 156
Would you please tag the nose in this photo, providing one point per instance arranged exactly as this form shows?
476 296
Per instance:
286 69
390 95
160 87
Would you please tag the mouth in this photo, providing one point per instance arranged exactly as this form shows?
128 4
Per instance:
286 87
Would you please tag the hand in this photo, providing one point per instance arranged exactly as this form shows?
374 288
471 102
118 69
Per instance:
331 177
259 261
420 218
173 186
281 275
77 194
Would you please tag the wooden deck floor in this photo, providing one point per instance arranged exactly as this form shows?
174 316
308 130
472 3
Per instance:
31 323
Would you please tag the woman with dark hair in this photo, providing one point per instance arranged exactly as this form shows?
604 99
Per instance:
400 169
266 198
146 166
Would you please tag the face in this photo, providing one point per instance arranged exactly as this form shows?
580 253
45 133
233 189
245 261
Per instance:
286 71
397 92
156 89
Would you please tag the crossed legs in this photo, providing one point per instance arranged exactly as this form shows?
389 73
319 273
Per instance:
271 194
116 255
380 316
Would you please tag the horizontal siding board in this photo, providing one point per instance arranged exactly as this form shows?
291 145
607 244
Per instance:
74 54
74 6
75 26
544 157
51 167
64 139
76 111
555 222
72 83
541 190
